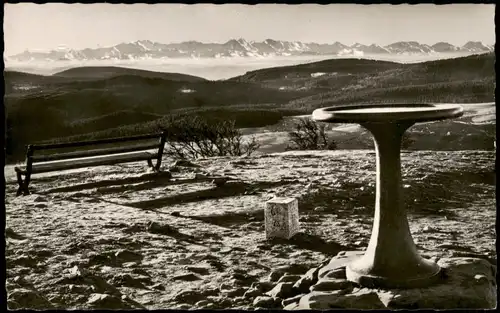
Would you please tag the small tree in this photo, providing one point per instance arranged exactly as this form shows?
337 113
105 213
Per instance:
309 135
190 137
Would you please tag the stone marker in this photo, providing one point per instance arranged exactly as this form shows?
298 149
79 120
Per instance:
281 218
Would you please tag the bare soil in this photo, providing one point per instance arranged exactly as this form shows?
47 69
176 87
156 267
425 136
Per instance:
171 243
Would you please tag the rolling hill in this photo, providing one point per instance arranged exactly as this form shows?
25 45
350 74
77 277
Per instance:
97 72
326 67
357 80
20 83
82 101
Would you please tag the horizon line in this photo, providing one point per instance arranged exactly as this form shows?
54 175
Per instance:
62 46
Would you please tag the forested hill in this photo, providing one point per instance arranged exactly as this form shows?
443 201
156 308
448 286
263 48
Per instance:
90 102
96 72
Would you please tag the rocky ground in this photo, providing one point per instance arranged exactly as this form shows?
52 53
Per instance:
121 237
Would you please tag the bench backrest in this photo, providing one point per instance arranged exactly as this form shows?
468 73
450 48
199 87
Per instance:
31 158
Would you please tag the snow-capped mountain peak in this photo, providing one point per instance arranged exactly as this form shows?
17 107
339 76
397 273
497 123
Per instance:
409 47
357 45
475 46
240 47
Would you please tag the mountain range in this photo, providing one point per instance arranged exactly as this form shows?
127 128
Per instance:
146 49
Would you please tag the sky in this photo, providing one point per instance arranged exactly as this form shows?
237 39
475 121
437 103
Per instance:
77 26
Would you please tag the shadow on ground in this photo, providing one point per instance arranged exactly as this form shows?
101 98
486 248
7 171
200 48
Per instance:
436 194
160 229
441 192
311 242
147 181
230 189
231 219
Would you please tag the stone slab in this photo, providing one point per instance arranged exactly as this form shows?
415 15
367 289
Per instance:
466 283
339 261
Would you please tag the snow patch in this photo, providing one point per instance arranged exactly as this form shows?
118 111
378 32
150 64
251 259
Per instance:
344 51
317 74
246 45
143 46
25 87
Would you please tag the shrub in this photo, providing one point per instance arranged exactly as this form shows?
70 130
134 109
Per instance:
309 135
190 137
406 141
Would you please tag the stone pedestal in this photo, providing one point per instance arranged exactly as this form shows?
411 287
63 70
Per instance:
391 259
281 218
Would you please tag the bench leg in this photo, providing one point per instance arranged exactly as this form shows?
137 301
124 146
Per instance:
21 184
158 164
161 149
157 167
27 179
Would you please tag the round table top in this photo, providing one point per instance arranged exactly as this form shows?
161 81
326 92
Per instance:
387 113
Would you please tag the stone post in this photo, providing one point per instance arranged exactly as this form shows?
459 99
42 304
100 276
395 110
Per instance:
281 218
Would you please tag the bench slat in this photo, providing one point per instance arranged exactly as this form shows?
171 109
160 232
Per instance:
95 152
90 161
94 142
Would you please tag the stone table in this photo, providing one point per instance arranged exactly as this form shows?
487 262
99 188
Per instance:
391 259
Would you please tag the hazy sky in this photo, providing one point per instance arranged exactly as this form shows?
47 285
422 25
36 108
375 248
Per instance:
47 26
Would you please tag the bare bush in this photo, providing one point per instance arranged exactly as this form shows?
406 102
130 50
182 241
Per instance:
191 137
309 135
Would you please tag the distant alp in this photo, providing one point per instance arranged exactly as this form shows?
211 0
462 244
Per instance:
409 47
146 49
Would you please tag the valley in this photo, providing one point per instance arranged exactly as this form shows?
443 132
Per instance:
96 102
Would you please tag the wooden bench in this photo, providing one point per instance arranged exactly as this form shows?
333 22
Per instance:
128 151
